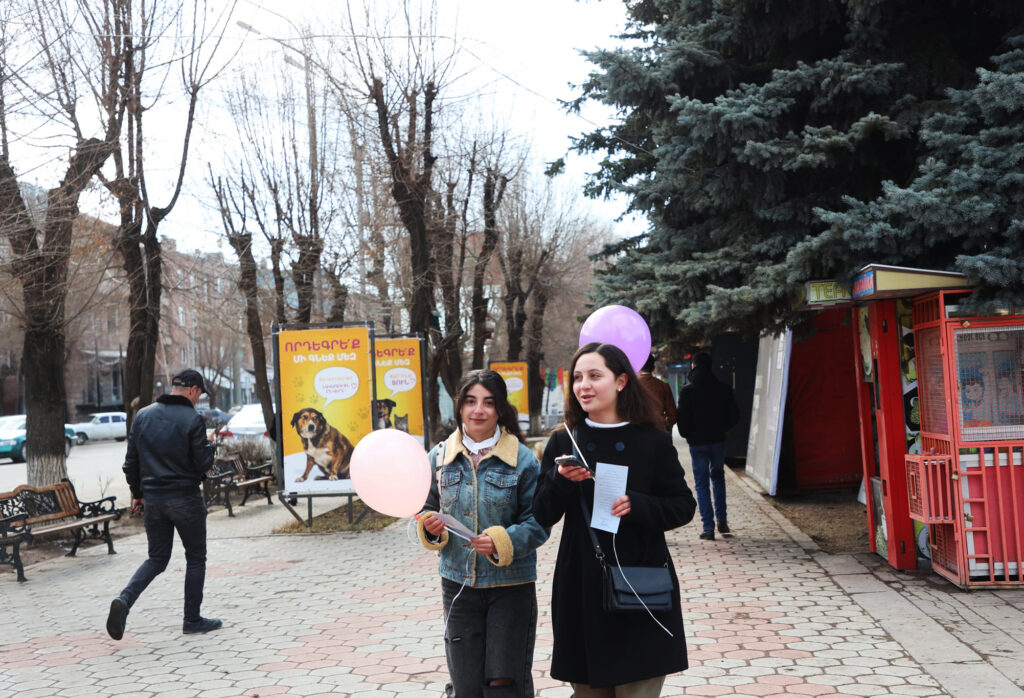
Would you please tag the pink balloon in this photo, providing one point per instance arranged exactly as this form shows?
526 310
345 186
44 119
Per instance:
623 327
390 472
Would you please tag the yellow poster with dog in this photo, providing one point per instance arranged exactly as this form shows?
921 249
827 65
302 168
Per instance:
325 393
399 403
515 375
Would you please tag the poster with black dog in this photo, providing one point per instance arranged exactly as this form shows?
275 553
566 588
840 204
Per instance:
326 392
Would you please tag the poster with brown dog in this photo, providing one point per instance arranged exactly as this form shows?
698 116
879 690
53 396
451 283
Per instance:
326 391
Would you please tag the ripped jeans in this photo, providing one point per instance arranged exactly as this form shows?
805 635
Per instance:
490 636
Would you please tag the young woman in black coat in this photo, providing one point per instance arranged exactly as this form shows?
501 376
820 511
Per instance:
608 654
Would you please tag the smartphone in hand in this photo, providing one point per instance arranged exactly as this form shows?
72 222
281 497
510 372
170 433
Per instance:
571 461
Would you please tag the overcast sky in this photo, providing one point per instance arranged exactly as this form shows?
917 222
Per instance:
523 55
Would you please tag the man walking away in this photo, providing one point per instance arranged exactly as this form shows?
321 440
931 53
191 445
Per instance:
707 409
167 458
661 395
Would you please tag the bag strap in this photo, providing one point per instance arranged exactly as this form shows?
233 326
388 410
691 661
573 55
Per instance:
598 553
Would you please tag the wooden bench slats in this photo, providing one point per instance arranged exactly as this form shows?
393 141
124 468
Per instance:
70 525
231 473
29 511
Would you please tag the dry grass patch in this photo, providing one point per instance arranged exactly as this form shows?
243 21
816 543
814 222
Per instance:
337 520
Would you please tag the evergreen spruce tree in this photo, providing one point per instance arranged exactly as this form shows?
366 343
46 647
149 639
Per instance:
745 122
965 209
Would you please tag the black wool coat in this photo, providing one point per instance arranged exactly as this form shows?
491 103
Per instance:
591 646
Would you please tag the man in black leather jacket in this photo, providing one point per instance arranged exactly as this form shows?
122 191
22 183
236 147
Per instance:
168 457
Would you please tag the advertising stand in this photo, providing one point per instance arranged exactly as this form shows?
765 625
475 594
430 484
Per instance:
399 402
325 387
515 374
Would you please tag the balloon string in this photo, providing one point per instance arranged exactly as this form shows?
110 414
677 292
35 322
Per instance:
465 576
409 534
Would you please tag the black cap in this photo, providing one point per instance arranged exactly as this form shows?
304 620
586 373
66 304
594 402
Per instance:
189 378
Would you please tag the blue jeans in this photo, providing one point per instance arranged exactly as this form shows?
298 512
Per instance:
185 514
708 462
490 635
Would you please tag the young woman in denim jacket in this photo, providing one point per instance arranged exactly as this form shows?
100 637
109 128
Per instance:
486 477
607 654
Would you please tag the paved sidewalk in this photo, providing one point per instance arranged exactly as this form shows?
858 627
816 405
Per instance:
767 614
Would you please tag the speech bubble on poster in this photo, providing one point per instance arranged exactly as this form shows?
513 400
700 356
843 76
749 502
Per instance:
514 384
399 380
336 383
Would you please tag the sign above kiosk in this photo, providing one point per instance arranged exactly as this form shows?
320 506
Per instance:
877 281
827 292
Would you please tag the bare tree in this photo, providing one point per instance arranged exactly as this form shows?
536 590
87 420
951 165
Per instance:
544 258
235 205
191 34
293 147
495 182
403 83
67 54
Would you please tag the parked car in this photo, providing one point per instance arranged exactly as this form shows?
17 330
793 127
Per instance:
12 438
247 423
102 425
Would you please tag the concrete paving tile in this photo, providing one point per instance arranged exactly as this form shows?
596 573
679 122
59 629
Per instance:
862 690
228 692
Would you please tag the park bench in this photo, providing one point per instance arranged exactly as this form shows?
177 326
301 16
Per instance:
27 511
231 473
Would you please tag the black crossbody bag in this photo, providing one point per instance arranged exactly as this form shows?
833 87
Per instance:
629 589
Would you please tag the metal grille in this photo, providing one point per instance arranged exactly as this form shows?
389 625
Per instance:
931 381
990 381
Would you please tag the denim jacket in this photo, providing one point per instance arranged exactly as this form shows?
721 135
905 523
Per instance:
495 498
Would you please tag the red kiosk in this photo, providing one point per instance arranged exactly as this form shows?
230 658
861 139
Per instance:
960 381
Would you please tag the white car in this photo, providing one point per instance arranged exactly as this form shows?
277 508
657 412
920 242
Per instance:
247 423
102 425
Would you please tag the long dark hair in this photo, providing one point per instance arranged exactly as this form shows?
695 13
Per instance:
508 416
633 402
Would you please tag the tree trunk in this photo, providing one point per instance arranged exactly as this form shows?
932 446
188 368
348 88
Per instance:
142 259
304 273
45 393
450 369
339 298
494 190
248 284
276 253
410 190
40 262
534 349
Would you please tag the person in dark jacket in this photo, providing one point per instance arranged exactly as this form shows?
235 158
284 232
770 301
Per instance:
661 395
608 654
167 458
707 409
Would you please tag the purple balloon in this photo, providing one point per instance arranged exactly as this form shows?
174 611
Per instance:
623 327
